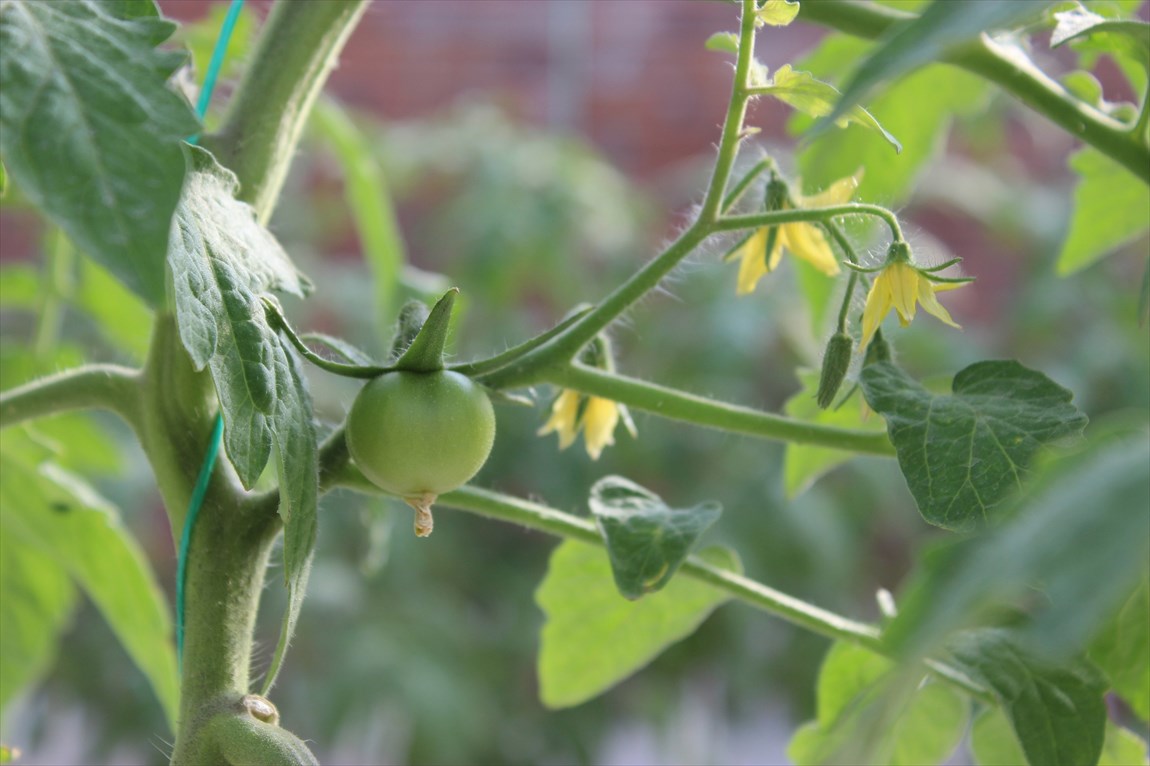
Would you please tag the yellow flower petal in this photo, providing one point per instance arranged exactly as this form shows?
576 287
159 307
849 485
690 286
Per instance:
903 282
564 414
930 304
807 242
878 302
838 193
753 262
599 421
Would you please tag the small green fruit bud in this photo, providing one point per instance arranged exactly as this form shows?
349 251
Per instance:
777 193
836 361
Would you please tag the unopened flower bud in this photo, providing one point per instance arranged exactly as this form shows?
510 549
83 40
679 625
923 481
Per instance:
836 361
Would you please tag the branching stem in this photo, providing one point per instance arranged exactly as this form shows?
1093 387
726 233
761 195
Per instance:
94 386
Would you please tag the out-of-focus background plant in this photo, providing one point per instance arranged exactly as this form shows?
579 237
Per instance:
536 154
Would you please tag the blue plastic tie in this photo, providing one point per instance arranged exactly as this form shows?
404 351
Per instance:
213 451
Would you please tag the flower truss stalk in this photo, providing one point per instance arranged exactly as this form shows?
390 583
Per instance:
568 343
699 410
795 611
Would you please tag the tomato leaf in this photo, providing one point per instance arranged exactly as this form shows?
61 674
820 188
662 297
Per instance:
1122 649
1111 208
816 98
963 454
864 715
646 539
592 638
38 600
369 201
55 513
918 109
1073 532
804 464
922 40
1057 710
99 154
223 262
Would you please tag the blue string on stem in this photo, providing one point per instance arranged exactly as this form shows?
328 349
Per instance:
213 451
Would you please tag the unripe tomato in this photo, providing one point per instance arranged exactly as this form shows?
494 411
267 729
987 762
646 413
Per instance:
420 434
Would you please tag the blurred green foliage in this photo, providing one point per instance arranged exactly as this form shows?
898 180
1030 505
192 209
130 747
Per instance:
424 651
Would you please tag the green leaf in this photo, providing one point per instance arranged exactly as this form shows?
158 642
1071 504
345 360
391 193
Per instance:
817 99
923 40
1111 208
776 13
56 513
723 42
369 200
132 9
865 716
223 263
297 461
1128 37
122 317
222 260
1122 650
1057 710
100 155
19 287
804 464
1122 747
646 539
918 109
38 599
992 741
962 455
592 638
1082 497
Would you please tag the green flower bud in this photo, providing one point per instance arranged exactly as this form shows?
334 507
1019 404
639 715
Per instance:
836 361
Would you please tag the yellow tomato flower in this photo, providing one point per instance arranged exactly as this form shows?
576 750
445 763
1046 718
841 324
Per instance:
804 240
597 417
901 286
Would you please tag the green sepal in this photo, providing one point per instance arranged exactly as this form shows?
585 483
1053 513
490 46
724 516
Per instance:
425 354
412 317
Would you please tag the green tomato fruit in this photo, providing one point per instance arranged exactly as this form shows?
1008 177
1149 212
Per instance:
420 434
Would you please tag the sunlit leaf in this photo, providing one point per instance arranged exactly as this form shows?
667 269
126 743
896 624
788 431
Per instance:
918 109
369 200
817 99
646 539
1128 37
922 40
1111 208
593 638
865 716
723 42
1122 650
776 13
100 155
38 599
962 455
61 517
804 464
